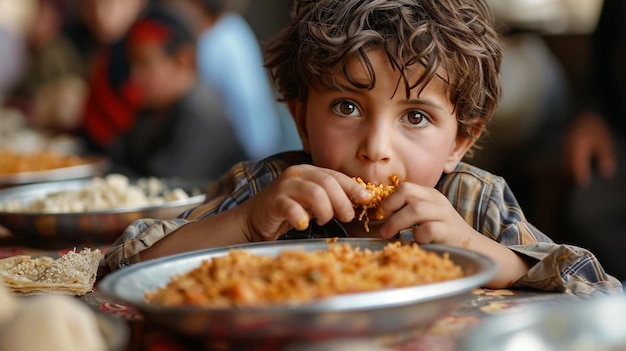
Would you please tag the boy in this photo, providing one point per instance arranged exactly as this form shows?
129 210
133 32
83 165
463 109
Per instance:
182 124
380 88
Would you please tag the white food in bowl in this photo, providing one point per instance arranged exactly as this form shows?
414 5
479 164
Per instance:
110 192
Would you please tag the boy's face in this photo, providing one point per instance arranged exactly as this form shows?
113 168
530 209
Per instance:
154 72
110 19
375 133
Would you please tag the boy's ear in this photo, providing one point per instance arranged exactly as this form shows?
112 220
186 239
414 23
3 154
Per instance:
298 112
458 151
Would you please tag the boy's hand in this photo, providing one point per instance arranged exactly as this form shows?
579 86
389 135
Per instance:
589 138
435 220
300 193
428 211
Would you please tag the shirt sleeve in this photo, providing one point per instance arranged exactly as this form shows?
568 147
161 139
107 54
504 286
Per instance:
143 233
488 204
235 187
138 236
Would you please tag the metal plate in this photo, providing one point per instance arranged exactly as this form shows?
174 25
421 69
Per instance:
62 229
597 324
351 315
95 166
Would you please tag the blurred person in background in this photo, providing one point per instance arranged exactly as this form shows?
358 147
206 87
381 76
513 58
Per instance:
181 130
112 100
15 18
51 88
230 60
595 146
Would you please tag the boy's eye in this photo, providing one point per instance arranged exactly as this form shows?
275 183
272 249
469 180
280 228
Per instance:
416 118
346 108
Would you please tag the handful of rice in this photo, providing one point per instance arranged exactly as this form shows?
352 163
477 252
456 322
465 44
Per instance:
379 193
243 279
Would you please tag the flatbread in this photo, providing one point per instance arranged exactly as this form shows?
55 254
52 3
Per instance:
73 273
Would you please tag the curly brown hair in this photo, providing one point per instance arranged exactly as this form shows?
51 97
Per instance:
456 36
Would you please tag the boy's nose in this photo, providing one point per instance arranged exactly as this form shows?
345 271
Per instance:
376 144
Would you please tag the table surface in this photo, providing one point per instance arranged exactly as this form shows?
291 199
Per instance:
444 335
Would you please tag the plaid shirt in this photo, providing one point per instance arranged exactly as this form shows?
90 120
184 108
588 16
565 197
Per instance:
482 199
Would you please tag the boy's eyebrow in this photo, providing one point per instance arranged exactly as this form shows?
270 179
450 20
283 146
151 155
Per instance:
423 102
342 87
418 101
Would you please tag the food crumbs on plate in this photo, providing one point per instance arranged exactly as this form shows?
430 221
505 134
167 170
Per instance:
502 292
497 307
491 292
453 325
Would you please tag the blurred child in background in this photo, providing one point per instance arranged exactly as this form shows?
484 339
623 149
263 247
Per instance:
230 61
52 87
15 18
181 129
112 100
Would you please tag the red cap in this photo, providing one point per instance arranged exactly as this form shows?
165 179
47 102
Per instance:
147 30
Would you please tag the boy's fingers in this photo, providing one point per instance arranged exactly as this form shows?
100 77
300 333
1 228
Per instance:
401 213
326 193
341 190
298 217
422 235
316 199
607 165
347 185
394 224
356 193
267 222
